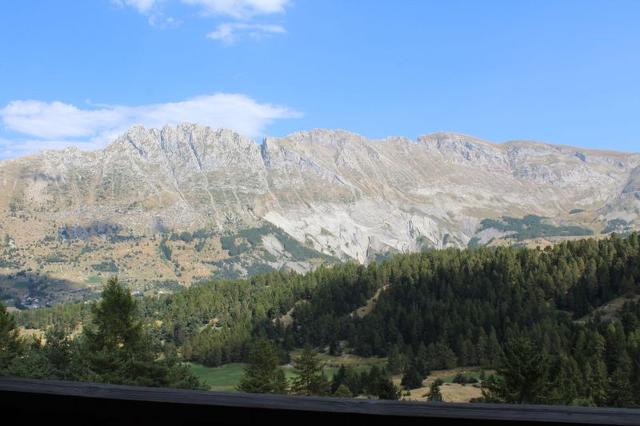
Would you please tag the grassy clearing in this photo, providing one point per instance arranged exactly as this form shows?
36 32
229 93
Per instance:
609 310
227 377
363 311
348 360
451 392
447 376
222 379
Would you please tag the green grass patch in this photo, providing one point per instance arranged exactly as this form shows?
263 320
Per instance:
616 225
226 378
105 266
223 379
532 226
93 279
22 285
347 360
447 376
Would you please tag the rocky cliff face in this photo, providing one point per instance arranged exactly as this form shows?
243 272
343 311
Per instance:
359 196
334 191
339 190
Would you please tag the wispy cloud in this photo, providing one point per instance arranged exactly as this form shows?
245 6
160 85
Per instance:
153 10
229 32
240 9
244 12
142 6
241 13
57 124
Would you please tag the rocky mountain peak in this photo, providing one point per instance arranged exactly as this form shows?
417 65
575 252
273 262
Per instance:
335 191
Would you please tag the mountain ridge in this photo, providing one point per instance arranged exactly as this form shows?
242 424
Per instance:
418 139
333 191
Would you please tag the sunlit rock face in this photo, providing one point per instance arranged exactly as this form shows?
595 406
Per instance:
335 191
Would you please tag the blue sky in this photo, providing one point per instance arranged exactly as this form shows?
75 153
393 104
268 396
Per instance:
81 72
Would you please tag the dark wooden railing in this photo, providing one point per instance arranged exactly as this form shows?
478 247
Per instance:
47 402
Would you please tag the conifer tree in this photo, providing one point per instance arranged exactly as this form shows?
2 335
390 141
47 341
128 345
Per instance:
116 349
310 379
434 392
566 379
338 379
412 379
620 392
386 389
262 374
10 346
422 361
524 374
343 392
395 360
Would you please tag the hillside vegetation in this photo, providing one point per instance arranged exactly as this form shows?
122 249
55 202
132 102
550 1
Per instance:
496 308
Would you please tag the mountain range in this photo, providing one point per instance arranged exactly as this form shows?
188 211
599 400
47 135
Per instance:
164 208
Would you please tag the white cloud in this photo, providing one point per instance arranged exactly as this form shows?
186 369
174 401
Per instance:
230 31
57 124
142 6
56 119
160 21
242 12
152 10
240 9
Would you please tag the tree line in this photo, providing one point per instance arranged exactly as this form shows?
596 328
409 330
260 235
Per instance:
263 375
115 346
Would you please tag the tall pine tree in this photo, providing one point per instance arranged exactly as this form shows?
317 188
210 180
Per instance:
117 349
523 374
10 346
262 374
310 379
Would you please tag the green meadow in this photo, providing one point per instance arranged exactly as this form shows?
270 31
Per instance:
227 377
